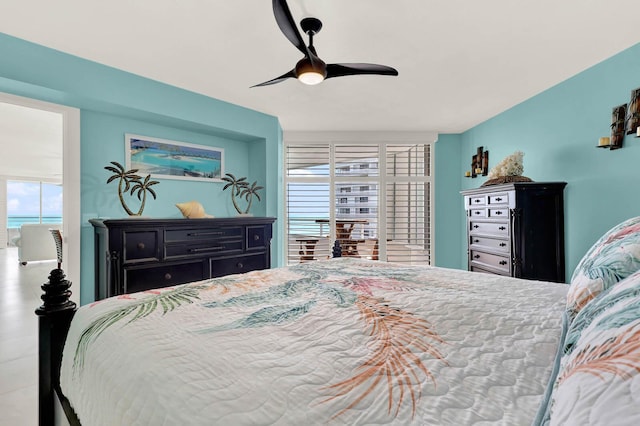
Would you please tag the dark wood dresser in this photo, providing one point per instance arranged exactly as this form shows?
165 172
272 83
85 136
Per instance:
140 254
517 229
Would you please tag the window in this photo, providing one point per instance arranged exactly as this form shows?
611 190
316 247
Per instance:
388 213
33 202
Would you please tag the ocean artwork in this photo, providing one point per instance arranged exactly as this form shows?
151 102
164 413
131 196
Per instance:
167 159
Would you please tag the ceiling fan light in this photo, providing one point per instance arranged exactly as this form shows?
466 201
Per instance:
311 73
311 78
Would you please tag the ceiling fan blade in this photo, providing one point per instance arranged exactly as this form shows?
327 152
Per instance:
288 26
283 77
341 70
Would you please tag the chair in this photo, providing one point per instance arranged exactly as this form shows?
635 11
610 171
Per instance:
35 242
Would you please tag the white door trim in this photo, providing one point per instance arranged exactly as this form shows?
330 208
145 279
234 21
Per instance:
70 183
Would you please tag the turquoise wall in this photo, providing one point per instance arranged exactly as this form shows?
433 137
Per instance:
114 102
558 130
447 202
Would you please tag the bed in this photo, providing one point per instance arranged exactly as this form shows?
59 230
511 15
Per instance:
352 341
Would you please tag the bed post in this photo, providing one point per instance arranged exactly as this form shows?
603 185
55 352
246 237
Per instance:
53 324
337 250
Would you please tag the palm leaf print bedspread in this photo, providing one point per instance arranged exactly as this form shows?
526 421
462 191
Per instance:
345 341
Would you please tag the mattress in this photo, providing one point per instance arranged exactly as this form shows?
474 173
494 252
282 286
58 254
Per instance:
344 341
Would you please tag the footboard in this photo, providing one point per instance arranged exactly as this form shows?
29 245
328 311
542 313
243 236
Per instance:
55 316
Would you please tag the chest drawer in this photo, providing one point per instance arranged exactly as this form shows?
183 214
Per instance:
489 243
478 212
205 248
140 246
495 261
498 212
500 198
237 265
479 200
256 237
140 279
200 234
491 228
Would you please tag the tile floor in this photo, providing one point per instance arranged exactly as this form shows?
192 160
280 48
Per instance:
19 297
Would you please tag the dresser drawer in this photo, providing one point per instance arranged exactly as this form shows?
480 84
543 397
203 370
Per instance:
490 228
477 201
256 237
237 265
140 246
140 279
489 243
199 234
494 261
478 212
498 212
500 198
205 248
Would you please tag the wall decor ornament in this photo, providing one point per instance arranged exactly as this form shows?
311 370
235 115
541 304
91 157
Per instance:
241 188
165 159
618 117
633 112
510 169
129 181
479 164
193 210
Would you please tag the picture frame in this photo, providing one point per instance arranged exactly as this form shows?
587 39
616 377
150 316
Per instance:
167 159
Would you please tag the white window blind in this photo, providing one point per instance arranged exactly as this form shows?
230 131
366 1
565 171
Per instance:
374 198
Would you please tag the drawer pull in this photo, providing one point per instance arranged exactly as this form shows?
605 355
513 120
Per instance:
256 237
477 212
476 241
503 262
199 234
140 246
206 249
502 228
240 265
476 200
476 226
499 199
503 244
477 256
167 276
498 213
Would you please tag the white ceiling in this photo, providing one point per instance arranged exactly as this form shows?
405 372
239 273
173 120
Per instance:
31 141
460 61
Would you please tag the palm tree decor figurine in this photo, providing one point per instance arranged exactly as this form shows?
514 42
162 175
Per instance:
129 181
241 188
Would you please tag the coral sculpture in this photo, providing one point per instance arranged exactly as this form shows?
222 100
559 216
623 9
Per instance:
510 169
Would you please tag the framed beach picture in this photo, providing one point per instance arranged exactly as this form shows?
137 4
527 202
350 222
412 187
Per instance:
165 159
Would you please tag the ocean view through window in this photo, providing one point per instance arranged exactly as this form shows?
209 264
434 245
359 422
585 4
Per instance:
33 202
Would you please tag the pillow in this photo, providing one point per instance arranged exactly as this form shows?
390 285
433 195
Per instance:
599 375
615 256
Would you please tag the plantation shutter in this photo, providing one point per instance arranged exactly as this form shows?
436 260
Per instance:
372 197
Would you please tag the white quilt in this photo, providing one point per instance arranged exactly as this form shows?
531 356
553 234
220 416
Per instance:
345 341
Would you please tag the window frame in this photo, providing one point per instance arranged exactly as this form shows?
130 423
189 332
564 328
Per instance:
380 180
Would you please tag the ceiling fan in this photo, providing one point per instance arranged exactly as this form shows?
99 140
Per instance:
311 69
